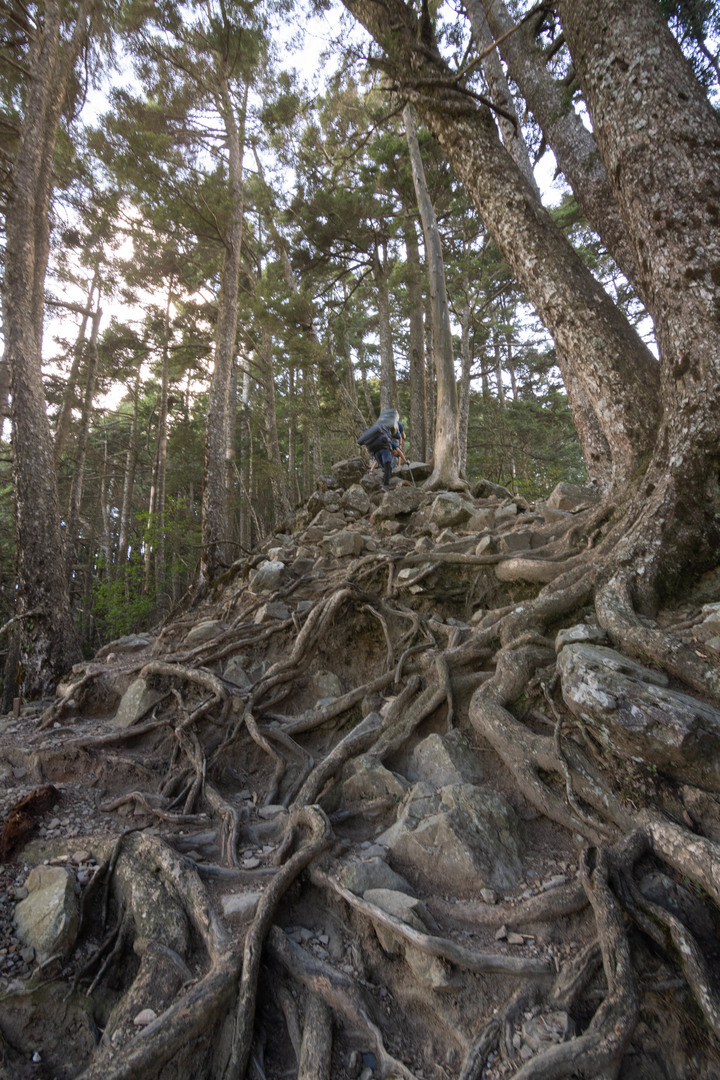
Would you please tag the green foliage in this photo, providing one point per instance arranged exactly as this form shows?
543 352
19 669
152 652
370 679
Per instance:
120 605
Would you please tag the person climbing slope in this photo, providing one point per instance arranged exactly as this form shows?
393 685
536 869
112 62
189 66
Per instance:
384 440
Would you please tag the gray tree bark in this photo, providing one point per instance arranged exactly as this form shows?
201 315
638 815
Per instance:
47 643
446 458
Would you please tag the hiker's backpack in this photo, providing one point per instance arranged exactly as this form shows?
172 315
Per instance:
376 437
390 418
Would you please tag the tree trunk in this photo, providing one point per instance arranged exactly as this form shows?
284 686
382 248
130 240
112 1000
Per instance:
281 505
128 483
464 415
617 376
387 360
416 342
573 145
512 136
65 412
215 521
76 490
642 94
445 453
47 642
162 462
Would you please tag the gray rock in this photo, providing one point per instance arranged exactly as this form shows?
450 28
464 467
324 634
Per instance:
136 701
349 472
569 496
506 515
129 643
632 708
268 577
274 609
325 684
407 909
481 519
236 672
443 760
550 515
343 543
204 631
485 489
371 782
47 920
486 546
420 470
240 906
372 874
356 498
460 837
583 632
449 508
520 540
404 500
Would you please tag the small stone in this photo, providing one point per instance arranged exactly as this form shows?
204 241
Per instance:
517 1040
488 896
145 1017
515 939
79 857
501 934
366 1074
20 892
526 1052
250 864
28 955
554 882
36 1058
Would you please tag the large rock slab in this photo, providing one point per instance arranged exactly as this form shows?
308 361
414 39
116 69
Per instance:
356 498
268 577
403 500
47 919
450 509
460 838
343 543
349 472
372 873
569 496
443 760
137 700
631 708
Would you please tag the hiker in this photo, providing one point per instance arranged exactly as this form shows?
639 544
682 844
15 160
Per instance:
384 440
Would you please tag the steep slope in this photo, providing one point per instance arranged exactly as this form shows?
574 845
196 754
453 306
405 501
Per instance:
388 804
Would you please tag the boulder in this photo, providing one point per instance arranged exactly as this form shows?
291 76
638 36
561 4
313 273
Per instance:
325 684
443 760
47 920
449 508
404 500
632 709
520 540
268 577
349 472
481 519
204 631
569 496
372 782
506 515
138 699
484 489
356 498
461 838
487 545
420 471
128 644
240 907
343 543
373 873
274 609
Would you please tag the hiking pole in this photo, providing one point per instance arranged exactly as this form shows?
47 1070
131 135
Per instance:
409 469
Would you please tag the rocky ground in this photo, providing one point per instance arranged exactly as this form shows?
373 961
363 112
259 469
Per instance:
331 683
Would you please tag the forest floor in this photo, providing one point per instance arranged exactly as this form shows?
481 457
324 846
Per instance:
292 851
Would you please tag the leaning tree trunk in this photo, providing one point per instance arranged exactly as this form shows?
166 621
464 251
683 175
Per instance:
616 374
78 480
574 147
642 94
47 642
446 459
